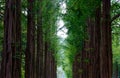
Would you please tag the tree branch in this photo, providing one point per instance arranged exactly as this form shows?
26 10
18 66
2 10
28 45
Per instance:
115 17
60 28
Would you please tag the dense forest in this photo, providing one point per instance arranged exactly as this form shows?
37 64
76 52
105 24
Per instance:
59 38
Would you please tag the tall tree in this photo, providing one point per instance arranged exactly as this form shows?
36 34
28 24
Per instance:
87 61
40 43
106 48
48 24
16 40
30 49
6 66
11 63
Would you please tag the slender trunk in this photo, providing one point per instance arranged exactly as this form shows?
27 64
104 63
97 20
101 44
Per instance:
30 49
40 45
16 47
46 61
54 68
96 65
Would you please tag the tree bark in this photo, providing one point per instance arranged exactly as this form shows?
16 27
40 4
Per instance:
40 44
6 67
16 47
106 50
11 65
30 49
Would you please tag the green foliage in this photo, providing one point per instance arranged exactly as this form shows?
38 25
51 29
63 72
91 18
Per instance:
115 41
115 9
49 17
78 11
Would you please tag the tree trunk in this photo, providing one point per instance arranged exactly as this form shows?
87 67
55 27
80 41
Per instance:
89 65
16 47
77 66
40 45
6 66
96 65
30 49
105 51
11 65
